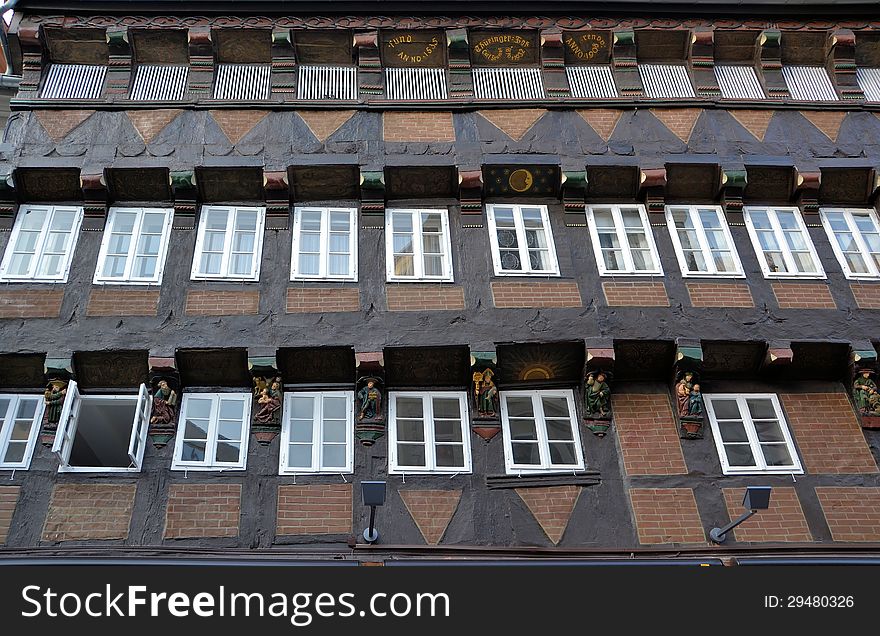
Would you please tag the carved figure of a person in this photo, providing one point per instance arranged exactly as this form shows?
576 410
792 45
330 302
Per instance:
683 393
598 395
863 389
269 404
487 394
164 401
370 401
695 402
54 399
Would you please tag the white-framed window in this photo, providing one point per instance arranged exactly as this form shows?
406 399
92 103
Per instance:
540 432
417 245
213 432
324 244
102 433
855 237
622 240
522 241
20 420
782 243
702 241
229 243
751 434
134 246
428 432
41 244
318 433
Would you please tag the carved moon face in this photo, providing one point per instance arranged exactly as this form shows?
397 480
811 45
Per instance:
521 180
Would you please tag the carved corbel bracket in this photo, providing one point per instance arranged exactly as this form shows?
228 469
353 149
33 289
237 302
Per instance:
277 188
372 198
370 398
687 394
652 186
598 375
165 392
574 193
57 374
268 397
183 188
470 196
484 394
866 398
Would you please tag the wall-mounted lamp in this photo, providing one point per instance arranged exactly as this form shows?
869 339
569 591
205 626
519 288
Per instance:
756 498
373 493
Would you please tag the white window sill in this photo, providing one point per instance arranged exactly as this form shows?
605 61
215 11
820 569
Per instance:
528 274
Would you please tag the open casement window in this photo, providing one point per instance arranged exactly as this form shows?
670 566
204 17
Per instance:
213 432
622 240
751 434
41 245
782 243
102 433
522 241
417 245
318 433
134 246
540 432
855 237
229 243
428 432
20 420
324 244
702 241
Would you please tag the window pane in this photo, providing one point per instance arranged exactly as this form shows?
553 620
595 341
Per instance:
229 430
519 406
761 408
299 456
402 222
447 431
335 431
302 407
410 455
301 431
447 408
198 408
739 455
410 430
403 266
15 453
241 264
153 223
562 454
310 220
450 456
409 407
193 452
776 455
769 431
246 220
340 221
309 264
196 429
333 456
338 265
231 410
732 432
228 453
21 430
523 429
559 430
726 409
27 408
526 454
335 408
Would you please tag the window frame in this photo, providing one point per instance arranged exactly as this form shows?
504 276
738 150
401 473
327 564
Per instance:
39 248
6 429
625 249
418 260
783 244
210 463
161 256
761 467
864 251
317 467
65 434
522 245
541 428
324 254
227 243
692 210
430 468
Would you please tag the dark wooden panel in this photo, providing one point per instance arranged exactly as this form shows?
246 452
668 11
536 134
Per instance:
841 186
643 360
615 182
692 183
427 366
243 46
556 363
21 370
505 48
732 360
519 181
324 46
416 182
111 369
160 46
77 46
805 47
769 184
740 47
230 184
138 184
316 365
319 183
587 47
48 184
655 45
417 48
214 367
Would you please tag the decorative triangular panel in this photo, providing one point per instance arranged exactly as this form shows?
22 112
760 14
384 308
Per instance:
552 507
826 121
602 120
150 123
431 510
235 124
513 122
755 121
59 123
680 121
324 123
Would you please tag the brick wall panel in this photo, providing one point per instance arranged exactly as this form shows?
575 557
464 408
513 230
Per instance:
432 510
424 297
117 302
602 120
307 300
30 303
314 509
59 123
323 123
89 511
720 295
755 121
803 296
202 510
523 295
417 126
852 512
149 123
867 296
235 124
635 294
222 303
827 433
680 121
8 500
666 515
514 123
783 521
551 507
648 434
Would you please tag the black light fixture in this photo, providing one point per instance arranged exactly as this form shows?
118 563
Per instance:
756 498
373 493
